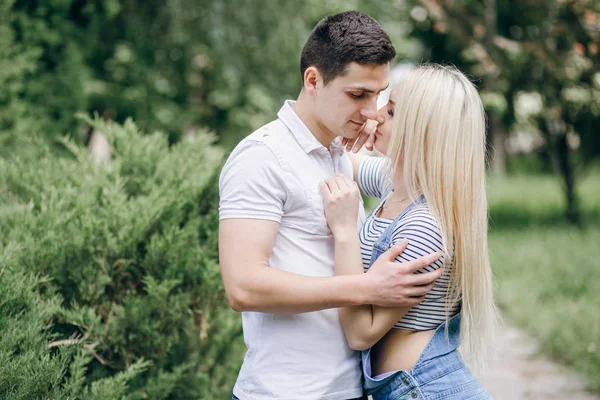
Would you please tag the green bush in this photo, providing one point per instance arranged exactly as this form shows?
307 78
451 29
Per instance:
43 68
110 286
171 66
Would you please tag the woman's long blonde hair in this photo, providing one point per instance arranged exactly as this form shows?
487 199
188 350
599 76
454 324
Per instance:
438 141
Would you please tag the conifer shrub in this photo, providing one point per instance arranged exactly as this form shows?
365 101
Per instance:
109 282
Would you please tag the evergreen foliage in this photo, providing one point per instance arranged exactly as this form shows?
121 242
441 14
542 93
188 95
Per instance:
171 66
109 280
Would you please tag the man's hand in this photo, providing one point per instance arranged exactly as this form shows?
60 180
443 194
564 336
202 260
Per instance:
366 137
394 284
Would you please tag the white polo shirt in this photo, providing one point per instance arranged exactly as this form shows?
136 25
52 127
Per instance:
274 174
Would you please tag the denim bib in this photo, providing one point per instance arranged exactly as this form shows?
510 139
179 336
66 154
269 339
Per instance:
440 372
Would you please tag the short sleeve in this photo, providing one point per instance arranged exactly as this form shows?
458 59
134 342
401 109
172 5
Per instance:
373 177
251 185
423 235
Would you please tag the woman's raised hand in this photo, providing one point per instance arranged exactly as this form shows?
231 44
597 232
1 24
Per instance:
340 197
366 137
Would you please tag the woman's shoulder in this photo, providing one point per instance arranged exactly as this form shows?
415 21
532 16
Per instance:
419 210
419 221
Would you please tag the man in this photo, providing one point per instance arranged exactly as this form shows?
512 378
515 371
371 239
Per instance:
276 250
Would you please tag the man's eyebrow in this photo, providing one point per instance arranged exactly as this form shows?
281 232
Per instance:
367 90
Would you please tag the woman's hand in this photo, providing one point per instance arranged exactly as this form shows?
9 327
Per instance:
340 197
366 137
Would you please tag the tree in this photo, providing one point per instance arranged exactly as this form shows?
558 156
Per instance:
546 47
172 66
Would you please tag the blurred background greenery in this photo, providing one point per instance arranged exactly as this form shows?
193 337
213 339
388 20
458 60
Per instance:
93 259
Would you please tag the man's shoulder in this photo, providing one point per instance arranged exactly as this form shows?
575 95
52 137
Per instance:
253 141
260 149
274 140
271 133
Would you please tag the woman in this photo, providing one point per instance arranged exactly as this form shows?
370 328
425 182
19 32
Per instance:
432 189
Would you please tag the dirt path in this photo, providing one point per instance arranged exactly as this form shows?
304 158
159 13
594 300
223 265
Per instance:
519 373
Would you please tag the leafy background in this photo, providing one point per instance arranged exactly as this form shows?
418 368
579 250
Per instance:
109 278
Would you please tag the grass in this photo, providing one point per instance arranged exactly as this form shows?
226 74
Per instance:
548 273
525 201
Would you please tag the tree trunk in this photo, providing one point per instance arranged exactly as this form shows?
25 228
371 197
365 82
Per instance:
99 148
566 170
497 161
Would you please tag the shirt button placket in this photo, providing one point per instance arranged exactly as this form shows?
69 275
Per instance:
332 163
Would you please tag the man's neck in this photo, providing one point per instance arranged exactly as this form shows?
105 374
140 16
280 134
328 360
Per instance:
303 108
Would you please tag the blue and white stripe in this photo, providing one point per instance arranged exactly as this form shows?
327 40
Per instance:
424 237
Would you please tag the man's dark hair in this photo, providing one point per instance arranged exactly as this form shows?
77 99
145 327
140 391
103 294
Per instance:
340 39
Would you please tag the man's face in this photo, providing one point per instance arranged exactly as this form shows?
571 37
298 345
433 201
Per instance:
343 106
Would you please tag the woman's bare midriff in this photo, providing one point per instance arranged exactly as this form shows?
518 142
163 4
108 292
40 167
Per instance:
398 349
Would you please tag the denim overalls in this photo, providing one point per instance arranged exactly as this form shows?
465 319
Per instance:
439 373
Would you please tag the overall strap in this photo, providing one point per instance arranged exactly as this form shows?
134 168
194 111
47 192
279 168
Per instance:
382 244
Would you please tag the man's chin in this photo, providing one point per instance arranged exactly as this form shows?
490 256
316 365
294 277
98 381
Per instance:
348 134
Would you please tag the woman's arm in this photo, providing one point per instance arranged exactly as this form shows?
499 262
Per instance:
372 175
363 325
356 159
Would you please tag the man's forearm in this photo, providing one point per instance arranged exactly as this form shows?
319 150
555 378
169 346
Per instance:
274 291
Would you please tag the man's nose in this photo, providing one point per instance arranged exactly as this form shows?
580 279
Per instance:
371 111
372 114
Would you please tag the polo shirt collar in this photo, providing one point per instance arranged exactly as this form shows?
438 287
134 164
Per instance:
303 135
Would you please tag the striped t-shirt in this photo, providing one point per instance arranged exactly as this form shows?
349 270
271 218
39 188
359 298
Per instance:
423 234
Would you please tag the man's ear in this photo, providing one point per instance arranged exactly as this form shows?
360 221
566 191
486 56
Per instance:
312 80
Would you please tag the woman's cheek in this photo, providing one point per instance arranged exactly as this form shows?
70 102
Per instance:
380 144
